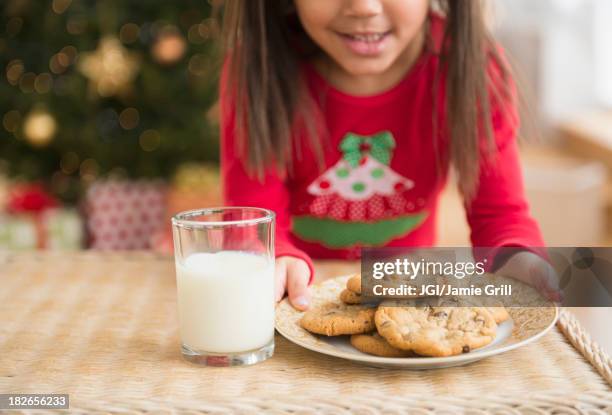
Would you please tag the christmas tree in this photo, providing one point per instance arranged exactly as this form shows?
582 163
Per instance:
360 199
98 88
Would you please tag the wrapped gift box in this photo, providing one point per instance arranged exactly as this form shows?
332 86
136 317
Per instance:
123 215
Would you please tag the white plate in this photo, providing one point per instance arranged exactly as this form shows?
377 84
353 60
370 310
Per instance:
526 325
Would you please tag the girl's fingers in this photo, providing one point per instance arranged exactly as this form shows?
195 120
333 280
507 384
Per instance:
546 281
535 271
298 275
280 279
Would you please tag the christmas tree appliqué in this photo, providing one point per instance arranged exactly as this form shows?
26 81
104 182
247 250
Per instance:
360 200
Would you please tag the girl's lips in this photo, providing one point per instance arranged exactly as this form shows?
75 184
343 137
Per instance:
365 44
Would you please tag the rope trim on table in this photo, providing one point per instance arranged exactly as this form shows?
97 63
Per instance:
581 340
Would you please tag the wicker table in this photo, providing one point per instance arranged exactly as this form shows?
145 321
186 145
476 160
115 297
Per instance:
103 328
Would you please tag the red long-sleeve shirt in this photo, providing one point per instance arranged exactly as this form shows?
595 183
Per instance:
383 178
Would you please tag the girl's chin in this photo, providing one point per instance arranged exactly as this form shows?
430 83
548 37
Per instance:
366 68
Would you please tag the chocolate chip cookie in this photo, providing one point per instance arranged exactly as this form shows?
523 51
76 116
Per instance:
374 343
349 297
436 331
335 319
354 284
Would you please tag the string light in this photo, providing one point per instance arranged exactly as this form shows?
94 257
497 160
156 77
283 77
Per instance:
60 6
43 83
198 64
26 83
149 140
11 121
39 127
169 47
76 25
89 170
59 63
129 33
14 70
71 54
129 118
209 28
194 36
70 162
110 71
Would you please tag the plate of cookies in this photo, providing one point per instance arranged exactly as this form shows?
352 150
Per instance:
420 333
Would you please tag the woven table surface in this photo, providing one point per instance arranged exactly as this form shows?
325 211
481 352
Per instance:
103 328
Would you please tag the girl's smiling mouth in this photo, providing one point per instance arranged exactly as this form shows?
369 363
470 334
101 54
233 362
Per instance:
365 43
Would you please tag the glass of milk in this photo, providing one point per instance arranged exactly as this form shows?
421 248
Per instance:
225 283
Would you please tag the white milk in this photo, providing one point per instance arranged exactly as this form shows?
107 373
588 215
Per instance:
225 301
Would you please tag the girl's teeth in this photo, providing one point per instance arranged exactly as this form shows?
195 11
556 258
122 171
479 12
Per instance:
368 38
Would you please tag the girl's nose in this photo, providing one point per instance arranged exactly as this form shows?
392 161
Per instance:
363 8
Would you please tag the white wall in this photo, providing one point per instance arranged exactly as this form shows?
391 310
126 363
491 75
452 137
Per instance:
564 49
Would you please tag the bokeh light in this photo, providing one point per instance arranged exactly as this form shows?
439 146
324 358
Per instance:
199 64
59 62
76 25
89 170
39 127
70 162
14 70
26 83
60 6
129 33
194 36
170 46
149 140
43 83
70 53
11 121
129 118
209 28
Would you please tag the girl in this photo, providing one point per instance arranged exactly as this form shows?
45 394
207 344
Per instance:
343 116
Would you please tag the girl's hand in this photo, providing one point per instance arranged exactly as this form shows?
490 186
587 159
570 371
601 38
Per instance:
530 268
292 275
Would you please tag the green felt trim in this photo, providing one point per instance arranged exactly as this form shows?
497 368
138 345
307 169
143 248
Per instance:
338 234
381 147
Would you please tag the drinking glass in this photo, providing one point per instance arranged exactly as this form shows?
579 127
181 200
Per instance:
225 284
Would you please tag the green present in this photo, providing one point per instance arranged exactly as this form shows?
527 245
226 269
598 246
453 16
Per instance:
63 229
18 232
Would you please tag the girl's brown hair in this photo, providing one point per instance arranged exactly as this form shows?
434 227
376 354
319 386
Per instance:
269 96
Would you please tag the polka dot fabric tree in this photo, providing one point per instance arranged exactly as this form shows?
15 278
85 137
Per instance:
361 186
371 191
360 189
